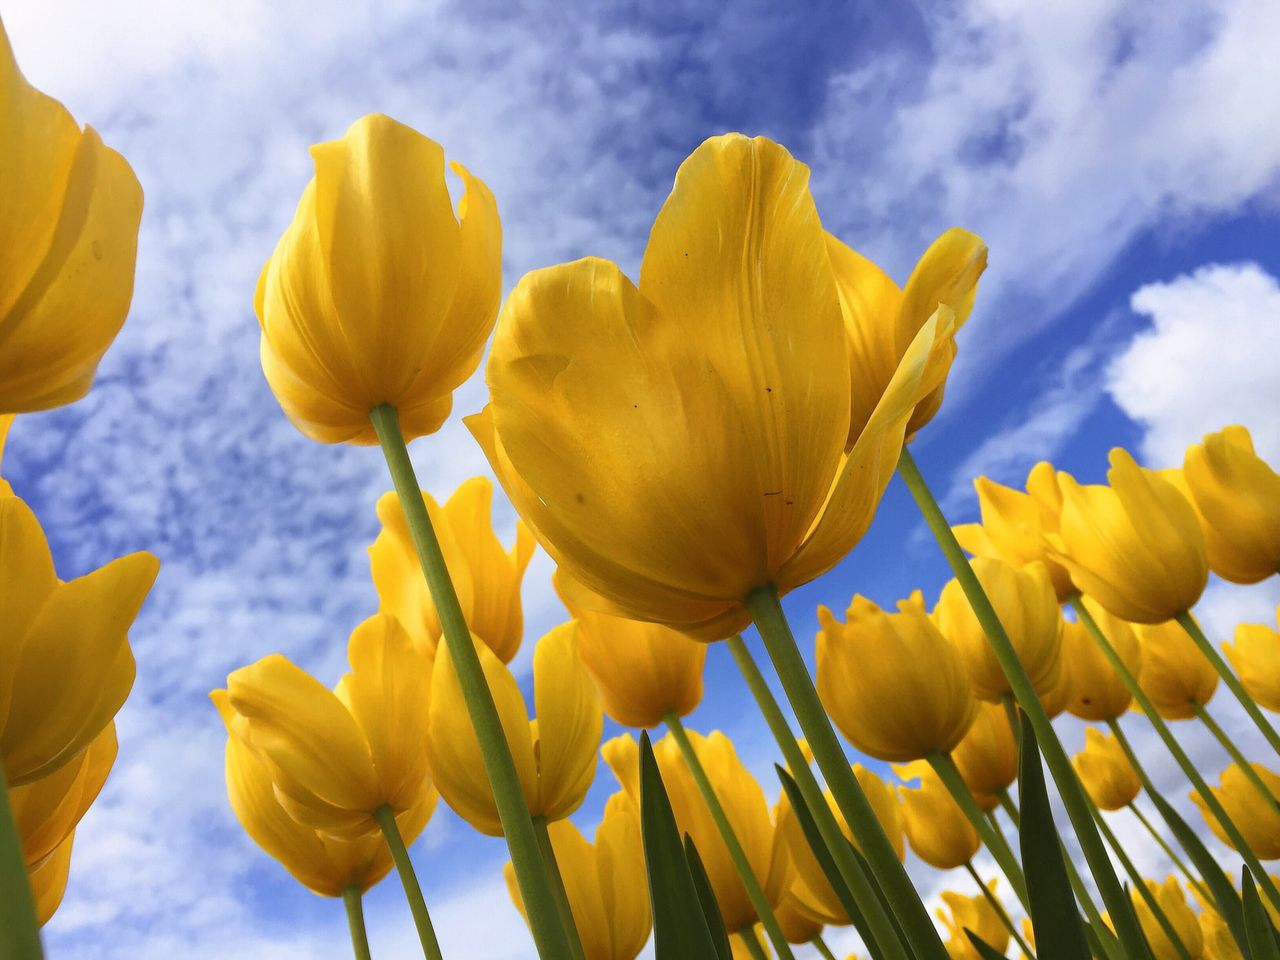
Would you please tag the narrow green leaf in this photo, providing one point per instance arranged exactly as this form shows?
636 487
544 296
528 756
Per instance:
985 950
707 897
1260 932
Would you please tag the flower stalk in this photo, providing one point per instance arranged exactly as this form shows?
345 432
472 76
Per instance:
409 879
19 934
1239 759
556 880
1001 912
352 899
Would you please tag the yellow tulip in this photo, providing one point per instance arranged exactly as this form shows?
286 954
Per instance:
1027 606
322 863
641 670
1175 674
377 293
554 753
49 880
1258 821
1058 691
795 924
486 576
1014 524
1256 658
337 756
1135 546
1237 496
972 913
1105 771
882 319
1097 692
891 682
6 421
1173 903
605 882
682 443
69 213
987 756
65 662
1219 943
937 829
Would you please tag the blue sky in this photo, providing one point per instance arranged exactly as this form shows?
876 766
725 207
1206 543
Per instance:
1122 160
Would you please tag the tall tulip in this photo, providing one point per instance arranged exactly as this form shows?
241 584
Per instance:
1257 820
1098 693
936 827
1105 771
987 755
1256 658
1175 675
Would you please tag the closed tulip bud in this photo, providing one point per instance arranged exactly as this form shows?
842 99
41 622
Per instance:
337 756
65 662
1175 674
1024 601
1258 820
68 242
681 443
486 576
891 682
1219 943
972 913
554 752
937 829
1173 903
1097 692
987 756
1105 771
1237 496
1256 658
377 293
48 880
604 881
1135 545
796 925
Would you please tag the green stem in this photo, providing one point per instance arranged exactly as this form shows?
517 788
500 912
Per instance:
1233 683
753 944
556 880
352 899
1001 912
885 866
409 880
879 925
1166 736
821 946
1169 852
1008 806
1069 788
739 856
1239 758
19 932
549 936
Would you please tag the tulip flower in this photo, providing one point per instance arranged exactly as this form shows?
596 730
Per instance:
974 913
6 421
1237 497
68 242
1175 674
1173 903
1256 658
936 827
1025 602
554 753
681 444
1257 820
486 576
797 926
1219 942
65 662
1105 771
891 682
49 880
604 881
1135 545
377 293
1097 692
987 756
1014 524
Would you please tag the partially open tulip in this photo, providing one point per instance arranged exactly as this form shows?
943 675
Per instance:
48 880
1173 903
377 293
972 913
1097 691
1027 606
891 682
1134 545
337 756
1256 658
65 662
1219 942
604 880
678 444
1258 820
69 214
486 576
1105 771
554 752
987 756
937 829
1175 674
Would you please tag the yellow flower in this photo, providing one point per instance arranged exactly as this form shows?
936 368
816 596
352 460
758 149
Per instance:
377 293
322 863
1256 658
1219 943
337 756
891 682
486 576
937 829
1258 821
641 670
554 753
987 756
6 421
65 662
1237 496
795 924
1014 524
882 319
1175 674
972 913
68 243
1024 601
1135 546
49 880
679 444
1058 691
1173 903
604 881
1097 692
1105 771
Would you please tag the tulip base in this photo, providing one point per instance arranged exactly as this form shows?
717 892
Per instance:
353 901
19 932
821 946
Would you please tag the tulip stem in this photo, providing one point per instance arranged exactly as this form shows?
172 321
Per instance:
1008 806
556 879
352 899
752 943
549 935
1211 653
1177 861
409 880
880 929
821 946
19 932
1239 758
1171 744
885 867
1001 912
739 856
1070 789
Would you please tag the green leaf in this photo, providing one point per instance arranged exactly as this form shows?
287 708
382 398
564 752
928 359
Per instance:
1261 935
985 950
707 897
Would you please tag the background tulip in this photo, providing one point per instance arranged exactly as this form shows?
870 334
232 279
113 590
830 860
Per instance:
1219 943
1258 820
1175 674
936 827
987 755
1256 658
1173 903
1097 692
1105 771
972 913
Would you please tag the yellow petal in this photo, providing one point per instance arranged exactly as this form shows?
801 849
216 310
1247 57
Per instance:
620 874
27 579
1255 655
570 722
49 880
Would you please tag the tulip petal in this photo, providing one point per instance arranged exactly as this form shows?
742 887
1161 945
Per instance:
27 579
570 722
49 880
621 878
